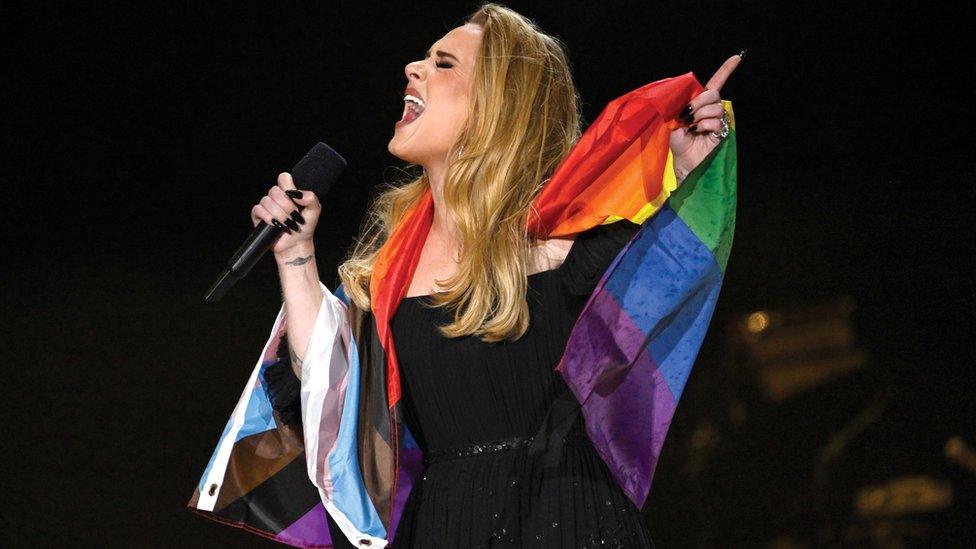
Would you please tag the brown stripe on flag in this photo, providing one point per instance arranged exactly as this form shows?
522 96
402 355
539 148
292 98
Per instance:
256 458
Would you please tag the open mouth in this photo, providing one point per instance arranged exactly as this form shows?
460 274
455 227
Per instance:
413 107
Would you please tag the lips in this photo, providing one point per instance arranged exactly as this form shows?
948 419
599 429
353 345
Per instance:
413 91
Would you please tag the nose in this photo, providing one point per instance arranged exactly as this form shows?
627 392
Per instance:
414 70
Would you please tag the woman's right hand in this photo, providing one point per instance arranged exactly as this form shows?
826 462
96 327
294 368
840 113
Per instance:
277 207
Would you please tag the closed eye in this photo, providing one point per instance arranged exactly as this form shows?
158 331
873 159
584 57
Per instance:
442 64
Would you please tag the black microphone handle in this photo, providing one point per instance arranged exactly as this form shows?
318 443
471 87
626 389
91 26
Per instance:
261 240
244 259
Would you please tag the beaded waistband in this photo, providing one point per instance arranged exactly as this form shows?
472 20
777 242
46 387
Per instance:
491 447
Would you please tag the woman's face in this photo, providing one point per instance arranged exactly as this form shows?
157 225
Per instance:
443 80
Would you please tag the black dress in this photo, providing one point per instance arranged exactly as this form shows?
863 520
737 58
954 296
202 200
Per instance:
472 406
462 392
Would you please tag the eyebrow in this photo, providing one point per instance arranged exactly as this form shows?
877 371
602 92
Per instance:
442 54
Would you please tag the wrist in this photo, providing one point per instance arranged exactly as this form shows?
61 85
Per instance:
303 249
681 171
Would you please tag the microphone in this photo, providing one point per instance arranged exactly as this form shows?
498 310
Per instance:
317 171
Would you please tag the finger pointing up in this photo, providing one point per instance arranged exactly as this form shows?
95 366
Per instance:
722 74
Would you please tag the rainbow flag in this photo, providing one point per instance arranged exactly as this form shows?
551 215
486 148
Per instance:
631 351
627 359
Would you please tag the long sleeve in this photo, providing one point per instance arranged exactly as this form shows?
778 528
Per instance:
592 253
284 387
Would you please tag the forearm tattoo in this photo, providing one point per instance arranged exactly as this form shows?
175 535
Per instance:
296 361
680 174
299 261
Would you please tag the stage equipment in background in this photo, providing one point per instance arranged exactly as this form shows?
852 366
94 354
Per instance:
796 349
797 437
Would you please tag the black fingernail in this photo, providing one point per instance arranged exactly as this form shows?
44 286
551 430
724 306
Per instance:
742 54
292 225
685 112
293 193
693 128
298 217
278 224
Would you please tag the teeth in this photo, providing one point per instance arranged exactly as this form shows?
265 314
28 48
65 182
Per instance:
416 100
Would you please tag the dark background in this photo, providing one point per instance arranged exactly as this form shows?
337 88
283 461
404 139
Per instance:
141 137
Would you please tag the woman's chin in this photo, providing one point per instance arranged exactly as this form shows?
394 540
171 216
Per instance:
397 150
404 155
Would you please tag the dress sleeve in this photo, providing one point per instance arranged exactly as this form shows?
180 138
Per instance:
592 253
281 383
283 386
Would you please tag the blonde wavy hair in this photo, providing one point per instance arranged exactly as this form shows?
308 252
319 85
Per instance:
524 120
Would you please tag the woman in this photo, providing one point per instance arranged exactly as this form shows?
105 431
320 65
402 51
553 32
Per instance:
480 299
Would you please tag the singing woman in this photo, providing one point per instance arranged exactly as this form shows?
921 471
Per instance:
457 303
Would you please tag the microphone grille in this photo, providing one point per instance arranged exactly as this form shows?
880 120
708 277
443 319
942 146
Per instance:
318 170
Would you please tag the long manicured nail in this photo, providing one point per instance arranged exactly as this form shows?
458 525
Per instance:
278 224
293 193
298 217
292 225
742 54
693 128
686 112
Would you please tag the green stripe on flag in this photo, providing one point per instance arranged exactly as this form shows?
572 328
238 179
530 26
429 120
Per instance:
705 201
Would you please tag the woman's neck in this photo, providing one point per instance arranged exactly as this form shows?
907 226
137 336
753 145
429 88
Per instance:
443 224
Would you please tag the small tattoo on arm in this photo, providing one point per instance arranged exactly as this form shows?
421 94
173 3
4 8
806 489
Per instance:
296 361
299 261
680 174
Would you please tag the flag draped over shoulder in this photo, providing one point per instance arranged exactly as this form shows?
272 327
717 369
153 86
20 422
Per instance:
627 359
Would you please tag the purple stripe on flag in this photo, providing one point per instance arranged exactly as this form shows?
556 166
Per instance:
626 419
411 464
312 526
633 347
610 335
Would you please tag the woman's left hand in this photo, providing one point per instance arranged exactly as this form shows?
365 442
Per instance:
692 142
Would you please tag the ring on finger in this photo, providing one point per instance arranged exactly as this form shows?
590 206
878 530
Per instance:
724 132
